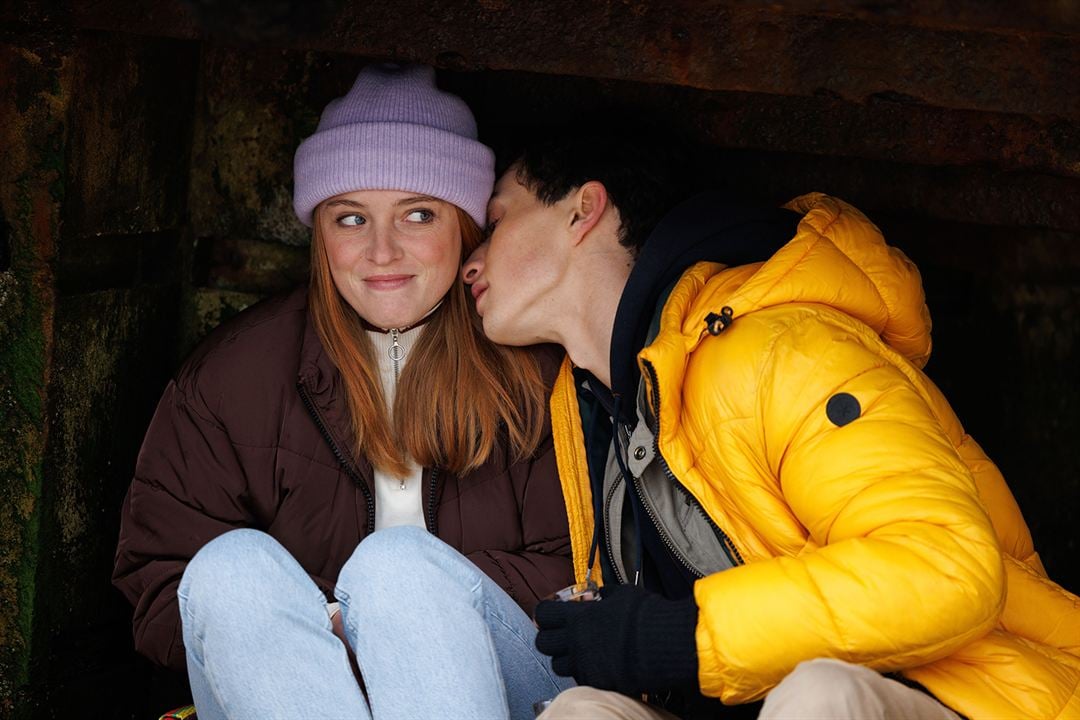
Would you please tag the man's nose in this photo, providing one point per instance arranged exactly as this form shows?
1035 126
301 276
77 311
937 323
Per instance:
473 265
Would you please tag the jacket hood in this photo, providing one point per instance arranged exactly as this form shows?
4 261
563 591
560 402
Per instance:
837 258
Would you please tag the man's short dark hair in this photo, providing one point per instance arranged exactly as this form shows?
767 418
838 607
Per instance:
645 174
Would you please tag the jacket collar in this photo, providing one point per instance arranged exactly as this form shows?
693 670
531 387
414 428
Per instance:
705 227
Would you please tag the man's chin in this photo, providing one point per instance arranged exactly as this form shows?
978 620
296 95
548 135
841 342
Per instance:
499 333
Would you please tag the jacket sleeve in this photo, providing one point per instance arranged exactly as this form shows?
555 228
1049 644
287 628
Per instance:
543 564
899 566
190 486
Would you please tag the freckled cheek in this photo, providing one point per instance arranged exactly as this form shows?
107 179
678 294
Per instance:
344 258
443 259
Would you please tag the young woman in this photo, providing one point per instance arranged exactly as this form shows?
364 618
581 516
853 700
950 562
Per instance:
353 471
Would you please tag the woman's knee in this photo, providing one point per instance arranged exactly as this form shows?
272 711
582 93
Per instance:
387 552
230 569
395 559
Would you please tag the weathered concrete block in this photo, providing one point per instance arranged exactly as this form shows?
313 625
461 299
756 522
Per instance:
252 266
130 134
75 368
114 351
207 308
255 108
34 98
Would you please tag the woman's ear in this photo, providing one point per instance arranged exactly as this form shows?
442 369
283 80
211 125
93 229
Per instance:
590 201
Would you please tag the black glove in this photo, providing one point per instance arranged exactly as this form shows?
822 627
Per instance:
631 641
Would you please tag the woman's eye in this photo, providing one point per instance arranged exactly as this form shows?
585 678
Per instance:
420 216
351 220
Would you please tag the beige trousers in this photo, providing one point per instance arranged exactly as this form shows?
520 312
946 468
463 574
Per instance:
816 690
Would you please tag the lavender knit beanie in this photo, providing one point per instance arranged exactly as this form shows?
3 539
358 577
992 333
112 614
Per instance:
395 130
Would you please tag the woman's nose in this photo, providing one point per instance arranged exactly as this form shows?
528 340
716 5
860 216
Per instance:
384 246
470 271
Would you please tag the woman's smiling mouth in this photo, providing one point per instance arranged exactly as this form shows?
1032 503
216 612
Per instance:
387 282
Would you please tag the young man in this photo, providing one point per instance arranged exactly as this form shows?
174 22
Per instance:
781 504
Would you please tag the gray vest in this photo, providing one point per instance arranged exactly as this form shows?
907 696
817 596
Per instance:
689 534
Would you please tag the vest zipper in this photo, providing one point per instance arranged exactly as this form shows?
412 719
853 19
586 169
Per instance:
607 526
345 464
734 556
668 543
635 483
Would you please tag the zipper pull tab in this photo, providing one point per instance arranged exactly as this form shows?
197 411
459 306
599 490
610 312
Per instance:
717 323
396 351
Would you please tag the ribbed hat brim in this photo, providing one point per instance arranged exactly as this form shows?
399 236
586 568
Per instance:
393 156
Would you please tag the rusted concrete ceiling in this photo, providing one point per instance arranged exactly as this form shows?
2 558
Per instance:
992 57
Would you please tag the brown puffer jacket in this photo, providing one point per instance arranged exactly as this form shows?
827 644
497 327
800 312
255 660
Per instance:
254 432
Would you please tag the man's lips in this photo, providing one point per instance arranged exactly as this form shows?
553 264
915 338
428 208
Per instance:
387 282
478 289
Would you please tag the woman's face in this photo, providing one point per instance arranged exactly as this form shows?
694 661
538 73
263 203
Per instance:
393 255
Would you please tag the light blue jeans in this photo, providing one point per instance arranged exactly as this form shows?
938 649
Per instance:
433 636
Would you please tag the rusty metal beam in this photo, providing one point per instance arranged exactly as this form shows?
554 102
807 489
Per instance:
1055 17
882 129
926 57
976 195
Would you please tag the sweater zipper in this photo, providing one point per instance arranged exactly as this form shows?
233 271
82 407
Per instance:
396 353
734 556
345 464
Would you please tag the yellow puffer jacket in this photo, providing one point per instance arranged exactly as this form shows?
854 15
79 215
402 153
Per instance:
891 540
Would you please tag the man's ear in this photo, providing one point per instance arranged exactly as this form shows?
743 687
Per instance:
590 201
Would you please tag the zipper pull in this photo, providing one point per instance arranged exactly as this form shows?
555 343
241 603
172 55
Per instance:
396 351
717 323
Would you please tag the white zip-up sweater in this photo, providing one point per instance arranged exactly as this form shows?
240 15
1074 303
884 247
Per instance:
397 500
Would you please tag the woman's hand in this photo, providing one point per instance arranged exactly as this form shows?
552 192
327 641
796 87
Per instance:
338 626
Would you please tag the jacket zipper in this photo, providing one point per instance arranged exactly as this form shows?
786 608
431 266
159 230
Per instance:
345 464
431 518
734 556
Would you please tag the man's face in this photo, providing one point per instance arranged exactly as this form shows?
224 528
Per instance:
515 271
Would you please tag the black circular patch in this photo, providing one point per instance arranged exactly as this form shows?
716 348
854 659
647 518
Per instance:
842 408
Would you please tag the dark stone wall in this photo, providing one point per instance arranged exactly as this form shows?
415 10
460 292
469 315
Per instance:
96 138
145 180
